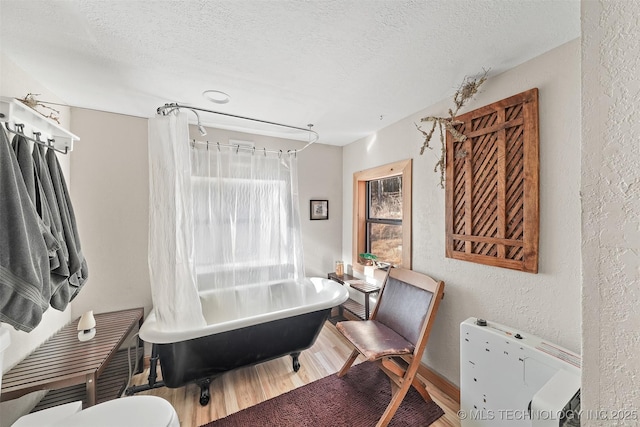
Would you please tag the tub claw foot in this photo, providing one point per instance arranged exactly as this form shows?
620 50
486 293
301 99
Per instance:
205 395
296 361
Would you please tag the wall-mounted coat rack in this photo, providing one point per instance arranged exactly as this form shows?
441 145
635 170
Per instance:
23 120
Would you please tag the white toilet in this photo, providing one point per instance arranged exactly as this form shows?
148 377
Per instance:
144 411
138 411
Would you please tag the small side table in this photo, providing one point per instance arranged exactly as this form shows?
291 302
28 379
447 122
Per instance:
357 309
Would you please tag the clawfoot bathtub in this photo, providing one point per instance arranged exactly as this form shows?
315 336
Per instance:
245 326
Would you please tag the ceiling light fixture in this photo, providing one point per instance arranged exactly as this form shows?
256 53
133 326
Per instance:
216 96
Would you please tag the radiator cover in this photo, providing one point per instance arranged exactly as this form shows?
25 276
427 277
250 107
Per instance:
511 378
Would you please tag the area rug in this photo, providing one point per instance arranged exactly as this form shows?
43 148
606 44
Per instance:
356 400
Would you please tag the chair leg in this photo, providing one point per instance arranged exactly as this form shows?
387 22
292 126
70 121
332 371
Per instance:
394 387
399 390
349 362
420 388
396 400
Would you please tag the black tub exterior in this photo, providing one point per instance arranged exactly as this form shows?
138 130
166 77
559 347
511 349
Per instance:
203 358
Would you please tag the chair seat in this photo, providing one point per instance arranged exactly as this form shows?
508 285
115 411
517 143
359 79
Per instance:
374 340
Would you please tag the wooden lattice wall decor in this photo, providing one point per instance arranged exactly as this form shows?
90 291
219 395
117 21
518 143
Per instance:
492 203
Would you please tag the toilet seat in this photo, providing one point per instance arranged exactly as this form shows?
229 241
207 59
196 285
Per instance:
139 411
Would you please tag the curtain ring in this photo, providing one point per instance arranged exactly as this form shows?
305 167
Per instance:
218 146
51 142
265 152
19 127
207 145
280 154
254 151
37 135
237 148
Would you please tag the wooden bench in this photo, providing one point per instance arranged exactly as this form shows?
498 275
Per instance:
63 360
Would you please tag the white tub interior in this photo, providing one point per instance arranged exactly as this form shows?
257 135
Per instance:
229 309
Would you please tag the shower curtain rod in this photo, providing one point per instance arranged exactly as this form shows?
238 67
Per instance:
175 106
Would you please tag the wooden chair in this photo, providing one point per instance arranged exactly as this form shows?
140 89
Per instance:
396 334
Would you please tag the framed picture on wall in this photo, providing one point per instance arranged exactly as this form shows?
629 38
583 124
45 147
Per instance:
319 209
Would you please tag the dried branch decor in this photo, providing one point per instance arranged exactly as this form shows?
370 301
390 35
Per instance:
31 101
466 91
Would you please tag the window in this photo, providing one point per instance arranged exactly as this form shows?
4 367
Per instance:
384 219
382 213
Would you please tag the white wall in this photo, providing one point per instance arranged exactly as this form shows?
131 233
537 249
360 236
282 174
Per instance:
610 211
15 82
110 195
110 172
545 304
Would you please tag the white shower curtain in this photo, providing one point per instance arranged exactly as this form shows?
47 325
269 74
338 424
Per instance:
246 217
220 218
171 255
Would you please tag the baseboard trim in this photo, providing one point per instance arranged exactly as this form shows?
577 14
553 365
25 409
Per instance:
447 388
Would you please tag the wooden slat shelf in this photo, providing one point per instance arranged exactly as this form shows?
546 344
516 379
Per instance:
359 310
362 286
64 361
355 308
111 384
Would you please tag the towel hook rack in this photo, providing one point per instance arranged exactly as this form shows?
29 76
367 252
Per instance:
24 119
50 143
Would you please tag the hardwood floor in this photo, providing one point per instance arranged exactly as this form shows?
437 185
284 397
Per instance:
248 386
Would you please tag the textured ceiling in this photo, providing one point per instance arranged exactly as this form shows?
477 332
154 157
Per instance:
350 67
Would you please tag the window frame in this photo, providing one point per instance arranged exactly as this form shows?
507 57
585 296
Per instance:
360 202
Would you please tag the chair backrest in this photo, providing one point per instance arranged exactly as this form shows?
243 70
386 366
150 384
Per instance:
407 303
